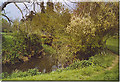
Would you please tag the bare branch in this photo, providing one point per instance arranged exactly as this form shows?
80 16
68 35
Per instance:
67 4
5 4
7 18
8 2
19 9
26 6
34 7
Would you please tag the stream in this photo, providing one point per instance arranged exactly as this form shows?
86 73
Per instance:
44 65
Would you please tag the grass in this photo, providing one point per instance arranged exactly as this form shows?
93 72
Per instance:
112 44
112 74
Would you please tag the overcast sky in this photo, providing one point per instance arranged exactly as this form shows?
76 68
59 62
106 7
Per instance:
13 13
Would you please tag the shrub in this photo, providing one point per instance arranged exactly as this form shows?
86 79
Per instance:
80 64
20 43
33 72
99 60
48 49
17 73
4 75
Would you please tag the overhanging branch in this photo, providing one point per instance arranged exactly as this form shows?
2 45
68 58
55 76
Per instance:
5 4
19 9
7 18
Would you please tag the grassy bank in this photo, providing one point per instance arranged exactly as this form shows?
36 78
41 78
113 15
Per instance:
92 69
112 44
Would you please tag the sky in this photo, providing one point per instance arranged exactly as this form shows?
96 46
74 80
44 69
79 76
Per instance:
13 13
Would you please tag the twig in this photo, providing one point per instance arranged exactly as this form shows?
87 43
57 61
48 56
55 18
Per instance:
26 6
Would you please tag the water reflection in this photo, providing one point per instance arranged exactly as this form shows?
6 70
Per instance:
44 65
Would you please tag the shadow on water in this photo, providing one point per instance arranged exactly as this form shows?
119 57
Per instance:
43 64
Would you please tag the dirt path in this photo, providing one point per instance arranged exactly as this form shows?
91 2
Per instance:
114 63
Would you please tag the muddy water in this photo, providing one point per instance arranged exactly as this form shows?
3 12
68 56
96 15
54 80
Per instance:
43 64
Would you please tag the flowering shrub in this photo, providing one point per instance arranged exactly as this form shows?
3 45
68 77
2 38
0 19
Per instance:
89 31
83 38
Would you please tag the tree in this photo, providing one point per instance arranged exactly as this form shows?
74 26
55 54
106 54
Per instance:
30 33
90 25
104 14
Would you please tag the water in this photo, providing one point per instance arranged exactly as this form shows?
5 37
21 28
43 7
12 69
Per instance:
44 65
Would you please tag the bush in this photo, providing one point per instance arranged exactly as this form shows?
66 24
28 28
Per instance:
17 73
33 72
4 75
80 64
99 61
49 49
20 44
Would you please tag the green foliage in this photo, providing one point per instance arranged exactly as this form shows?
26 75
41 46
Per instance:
17 73
102 60
20 44
83 39
7 43
79 64
67 37
27 36
87 71
6 26
33 72
89 30
49 49
4 75
59 70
